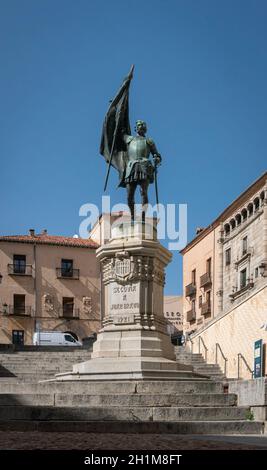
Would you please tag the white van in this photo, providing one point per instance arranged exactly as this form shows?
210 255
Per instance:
54 338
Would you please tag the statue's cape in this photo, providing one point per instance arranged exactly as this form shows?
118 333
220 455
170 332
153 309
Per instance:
116 124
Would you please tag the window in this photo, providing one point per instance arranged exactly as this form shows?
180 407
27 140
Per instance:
228 257
238 219
244 245
19 264
233 224
67 268
19 304
68 304
208 297
200 301
250 209
244 214
69 338
208 266
226 229
194 277
17 336
243 278
256 204
193 305
256 272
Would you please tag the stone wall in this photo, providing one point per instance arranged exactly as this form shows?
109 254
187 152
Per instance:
235 332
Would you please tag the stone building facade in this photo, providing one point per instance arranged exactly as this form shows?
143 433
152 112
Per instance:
173 312
48 283
225 283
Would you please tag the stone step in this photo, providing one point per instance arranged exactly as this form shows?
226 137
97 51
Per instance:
182 427
123 413
42 358
77 400
116 387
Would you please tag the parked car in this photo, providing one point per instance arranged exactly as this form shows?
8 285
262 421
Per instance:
54 338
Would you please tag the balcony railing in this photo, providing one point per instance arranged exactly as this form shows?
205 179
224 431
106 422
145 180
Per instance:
205 308
191 315
68 274
17 310
242 290
190 290
19 270
205 280
69 312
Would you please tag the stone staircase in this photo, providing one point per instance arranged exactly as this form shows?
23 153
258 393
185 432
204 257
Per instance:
33 366
197 361
191 405
180 407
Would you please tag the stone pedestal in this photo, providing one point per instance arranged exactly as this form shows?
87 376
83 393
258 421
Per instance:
133 343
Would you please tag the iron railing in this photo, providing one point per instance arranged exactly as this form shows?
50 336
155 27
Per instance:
205 308
190 290
19 269
191 315
240 356
17 310
218 348
68 274
201 341
205 280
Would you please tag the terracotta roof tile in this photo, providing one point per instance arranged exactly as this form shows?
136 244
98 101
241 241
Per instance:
44 239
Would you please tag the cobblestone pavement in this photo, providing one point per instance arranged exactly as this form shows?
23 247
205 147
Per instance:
90 441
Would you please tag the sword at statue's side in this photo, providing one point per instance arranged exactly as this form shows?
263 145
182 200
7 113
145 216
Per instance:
156 182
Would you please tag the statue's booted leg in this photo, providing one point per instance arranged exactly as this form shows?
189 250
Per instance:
143 190
131 187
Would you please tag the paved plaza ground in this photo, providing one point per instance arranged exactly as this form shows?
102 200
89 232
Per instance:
90 441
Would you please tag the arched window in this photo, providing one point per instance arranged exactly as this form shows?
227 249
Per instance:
244 214
226 229
250 209
238 219
262 197
256 203
233 224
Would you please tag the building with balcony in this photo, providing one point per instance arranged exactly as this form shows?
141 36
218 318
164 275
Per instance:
225 282
48 283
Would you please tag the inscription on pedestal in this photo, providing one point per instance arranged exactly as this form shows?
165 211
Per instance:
124 302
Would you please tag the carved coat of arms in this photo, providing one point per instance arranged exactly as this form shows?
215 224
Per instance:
124 267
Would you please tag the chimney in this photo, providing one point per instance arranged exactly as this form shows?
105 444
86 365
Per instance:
44 232
32 232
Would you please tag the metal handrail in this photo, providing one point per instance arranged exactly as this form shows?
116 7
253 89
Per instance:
223 356
246 364
205 347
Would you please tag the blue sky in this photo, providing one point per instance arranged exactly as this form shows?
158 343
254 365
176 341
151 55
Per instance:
200 83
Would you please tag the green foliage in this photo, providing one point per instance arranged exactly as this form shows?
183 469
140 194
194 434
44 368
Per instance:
249 415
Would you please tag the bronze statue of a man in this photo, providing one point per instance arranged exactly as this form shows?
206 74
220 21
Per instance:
129 154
